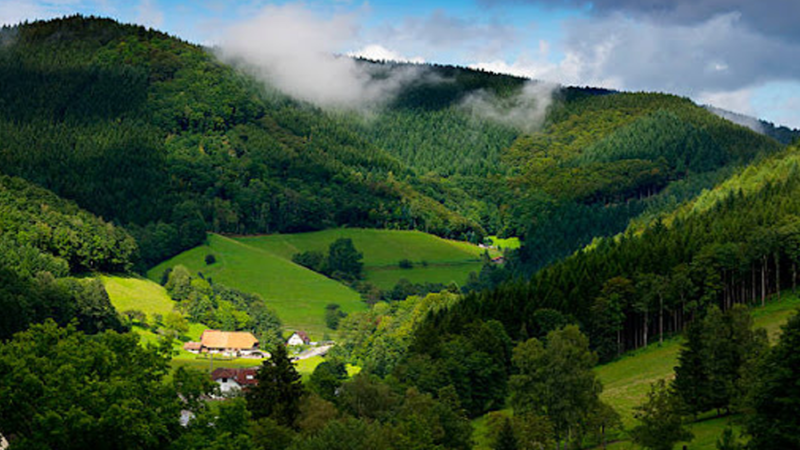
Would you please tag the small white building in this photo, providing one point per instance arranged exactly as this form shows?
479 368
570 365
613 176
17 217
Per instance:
298 338
230 380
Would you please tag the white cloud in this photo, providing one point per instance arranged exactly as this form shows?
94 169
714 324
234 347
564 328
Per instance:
525 111
378 52
294 50
149 14
13 12
739 101
440 32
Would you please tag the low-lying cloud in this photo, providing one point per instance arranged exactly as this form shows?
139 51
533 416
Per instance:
525 111
297 52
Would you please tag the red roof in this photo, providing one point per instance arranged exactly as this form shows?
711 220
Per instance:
304 336
245 377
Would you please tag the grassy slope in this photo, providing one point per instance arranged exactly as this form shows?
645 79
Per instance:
298 295
136 293
627 380
262 264
151 298
447 260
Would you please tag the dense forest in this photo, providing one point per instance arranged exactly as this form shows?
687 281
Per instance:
156 135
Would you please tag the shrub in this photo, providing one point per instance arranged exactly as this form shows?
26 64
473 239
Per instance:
405 264
210 259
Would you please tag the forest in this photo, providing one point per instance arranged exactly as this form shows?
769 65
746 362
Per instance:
643 216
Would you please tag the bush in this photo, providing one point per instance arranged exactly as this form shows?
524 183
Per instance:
312 260
136 317
405 264
210 259
165 276
333 315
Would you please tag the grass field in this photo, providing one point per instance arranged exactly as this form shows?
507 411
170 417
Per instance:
128 293
512 243
380 247
627 380
262 264
298 295
447 261
387 277
151 298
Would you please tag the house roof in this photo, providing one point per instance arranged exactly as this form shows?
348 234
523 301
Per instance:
192 345
303 335
245 377
228 339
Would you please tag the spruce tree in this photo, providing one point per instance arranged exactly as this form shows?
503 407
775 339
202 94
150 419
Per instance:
691 383
505 438
279 390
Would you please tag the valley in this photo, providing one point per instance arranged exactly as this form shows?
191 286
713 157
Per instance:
486 260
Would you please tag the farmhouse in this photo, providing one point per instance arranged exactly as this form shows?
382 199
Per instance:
230 380
298 338
230 343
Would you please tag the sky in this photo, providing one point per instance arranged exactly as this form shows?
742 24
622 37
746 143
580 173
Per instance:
740 55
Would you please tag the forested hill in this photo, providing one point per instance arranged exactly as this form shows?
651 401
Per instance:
44 240
736 244
157 135
152 132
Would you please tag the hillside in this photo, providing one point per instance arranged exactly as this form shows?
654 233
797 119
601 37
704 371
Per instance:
263 265
435 260
297 294
46 241
170 142
627 380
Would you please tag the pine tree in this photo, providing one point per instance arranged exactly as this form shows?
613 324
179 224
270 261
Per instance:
505 438
691 383
279 390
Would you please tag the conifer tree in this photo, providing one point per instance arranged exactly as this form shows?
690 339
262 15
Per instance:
279 390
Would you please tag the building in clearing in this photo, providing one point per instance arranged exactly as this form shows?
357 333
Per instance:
298 338
230 380
229 343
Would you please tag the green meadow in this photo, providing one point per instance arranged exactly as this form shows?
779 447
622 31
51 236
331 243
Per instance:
627 380
128 293
151 298
435 260
262 265
297 294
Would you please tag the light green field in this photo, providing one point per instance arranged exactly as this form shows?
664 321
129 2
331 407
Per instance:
151 298
128 293
627 380
387 277
448 261
297 294
380 247
512 243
